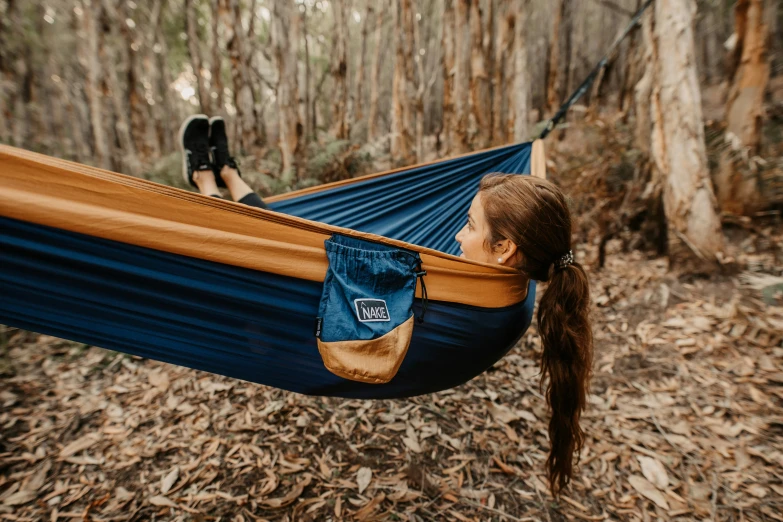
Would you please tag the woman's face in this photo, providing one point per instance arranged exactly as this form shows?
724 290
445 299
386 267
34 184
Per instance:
472 237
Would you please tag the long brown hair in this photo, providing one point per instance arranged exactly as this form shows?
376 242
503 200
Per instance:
533 214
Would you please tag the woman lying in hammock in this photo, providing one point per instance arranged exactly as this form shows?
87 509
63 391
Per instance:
516 221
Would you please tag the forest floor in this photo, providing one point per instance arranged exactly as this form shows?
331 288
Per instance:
684 422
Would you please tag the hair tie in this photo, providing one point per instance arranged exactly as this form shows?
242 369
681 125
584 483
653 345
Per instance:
564 260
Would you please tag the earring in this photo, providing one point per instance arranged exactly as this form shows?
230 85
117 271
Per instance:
500 260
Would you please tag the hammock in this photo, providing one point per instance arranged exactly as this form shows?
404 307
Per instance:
150 270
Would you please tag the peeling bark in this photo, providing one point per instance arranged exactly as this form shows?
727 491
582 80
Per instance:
675 134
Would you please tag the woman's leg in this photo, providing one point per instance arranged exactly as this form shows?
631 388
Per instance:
206 184
240 191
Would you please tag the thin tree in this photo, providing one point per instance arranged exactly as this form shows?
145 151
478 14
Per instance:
375 74
217 74
736 185
461 93
521 90
244 95
480 103
401 147
194 50
358 103
93 14
285 41
447 43
671 129
504 53
340 123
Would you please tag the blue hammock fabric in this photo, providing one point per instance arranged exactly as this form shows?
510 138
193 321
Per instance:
255 325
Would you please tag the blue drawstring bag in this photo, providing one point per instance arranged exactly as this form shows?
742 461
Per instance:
365 318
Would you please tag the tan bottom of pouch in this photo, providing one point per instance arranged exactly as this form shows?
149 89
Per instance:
375 361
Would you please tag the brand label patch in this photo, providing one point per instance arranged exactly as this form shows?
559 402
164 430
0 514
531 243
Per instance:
371 310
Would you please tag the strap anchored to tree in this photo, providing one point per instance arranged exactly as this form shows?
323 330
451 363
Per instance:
561 112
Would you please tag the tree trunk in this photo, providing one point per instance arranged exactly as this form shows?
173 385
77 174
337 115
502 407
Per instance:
217 75
151 112
194 50
138 114
93 14
401 148
375 75
461 76
676 135
244 96
165 128
553 77
119 98
736 183
360 68
447 43
285 41
504 54
7 79
418 100
481 107
340 124
630 74
521 90
309 112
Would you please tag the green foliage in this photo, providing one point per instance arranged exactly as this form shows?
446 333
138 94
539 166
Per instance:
168 171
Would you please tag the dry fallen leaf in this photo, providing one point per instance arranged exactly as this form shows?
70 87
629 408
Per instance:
648 490
653 470
159 379
757 490
363 478
168 481
161 501
78 445
20 497
292 495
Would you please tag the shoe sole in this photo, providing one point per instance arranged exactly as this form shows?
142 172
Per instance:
182 144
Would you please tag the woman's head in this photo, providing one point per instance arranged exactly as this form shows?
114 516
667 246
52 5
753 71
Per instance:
524 222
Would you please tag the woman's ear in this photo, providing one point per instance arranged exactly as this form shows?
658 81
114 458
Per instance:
506 249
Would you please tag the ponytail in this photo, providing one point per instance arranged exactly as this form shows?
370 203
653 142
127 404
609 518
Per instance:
567 356
533 214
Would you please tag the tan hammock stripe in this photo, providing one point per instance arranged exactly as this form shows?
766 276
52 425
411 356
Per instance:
78 198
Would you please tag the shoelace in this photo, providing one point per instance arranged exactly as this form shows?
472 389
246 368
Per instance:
200 155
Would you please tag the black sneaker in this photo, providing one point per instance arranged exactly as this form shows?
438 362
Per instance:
218 143
194 140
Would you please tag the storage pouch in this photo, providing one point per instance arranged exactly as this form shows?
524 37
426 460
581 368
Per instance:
365 318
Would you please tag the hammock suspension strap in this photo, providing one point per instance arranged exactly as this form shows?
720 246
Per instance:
579 92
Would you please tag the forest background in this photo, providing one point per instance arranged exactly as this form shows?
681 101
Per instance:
676 150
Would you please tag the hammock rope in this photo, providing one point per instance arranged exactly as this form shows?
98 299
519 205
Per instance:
583 88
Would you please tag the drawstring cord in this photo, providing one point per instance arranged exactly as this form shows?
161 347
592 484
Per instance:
420 276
